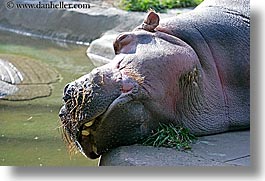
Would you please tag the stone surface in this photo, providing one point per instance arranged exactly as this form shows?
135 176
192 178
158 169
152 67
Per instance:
101 50
80 25
7 89
9 73
137 155
226 149
22 78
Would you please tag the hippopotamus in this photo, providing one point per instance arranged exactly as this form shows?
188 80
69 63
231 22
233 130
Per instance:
190 70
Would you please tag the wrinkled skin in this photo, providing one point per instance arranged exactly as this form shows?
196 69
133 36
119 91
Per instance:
191 70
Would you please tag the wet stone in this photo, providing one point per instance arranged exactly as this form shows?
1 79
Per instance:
137 155
225 149
23 78
6 89
9 73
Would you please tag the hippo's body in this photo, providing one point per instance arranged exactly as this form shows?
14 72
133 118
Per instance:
190 70
218 31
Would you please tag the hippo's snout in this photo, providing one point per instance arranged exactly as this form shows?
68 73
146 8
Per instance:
92 104
85 101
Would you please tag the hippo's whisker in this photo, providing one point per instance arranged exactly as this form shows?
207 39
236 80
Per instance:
71 111
68 101
71 148
59 127
66 137
83 96
60 124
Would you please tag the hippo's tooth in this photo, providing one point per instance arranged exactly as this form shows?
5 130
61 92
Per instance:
88 124
94 148
85 133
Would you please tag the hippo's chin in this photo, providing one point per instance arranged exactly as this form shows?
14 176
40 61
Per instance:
80 137
91 136
98 135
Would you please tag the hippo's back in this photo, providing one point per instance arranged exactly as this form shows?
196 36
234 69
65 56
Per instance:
240 7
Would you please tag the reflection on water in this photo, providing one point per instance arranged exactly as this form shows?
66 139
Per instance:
29 134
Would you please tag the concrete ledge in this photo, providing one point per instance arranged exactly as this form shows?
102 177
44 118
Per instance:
137 155
227 149
101 50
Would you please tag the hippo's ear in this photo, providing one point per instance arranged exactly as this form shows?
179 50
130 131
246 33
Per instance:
151 21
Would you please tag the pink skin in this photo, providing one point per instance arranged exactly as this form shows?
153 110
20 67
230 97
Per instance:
127 87
164 51
152 52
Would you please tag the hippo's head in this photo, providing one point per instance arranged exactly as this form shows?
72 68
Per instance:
123 101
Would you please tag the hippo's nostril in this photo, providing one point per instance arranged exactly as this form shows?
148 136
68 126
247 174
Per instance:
65 88
66 97
122 40
121 37
67 93
62 112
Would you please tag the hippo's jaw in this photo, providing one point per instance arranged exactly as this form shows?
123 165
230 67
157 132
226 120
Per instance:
94 104
76 134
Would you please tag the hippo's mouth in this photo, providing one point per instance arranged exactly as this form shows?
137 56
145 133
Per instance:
88 101
80 136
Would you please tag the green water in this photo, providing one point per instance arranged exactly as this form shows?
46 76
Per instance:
29 134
